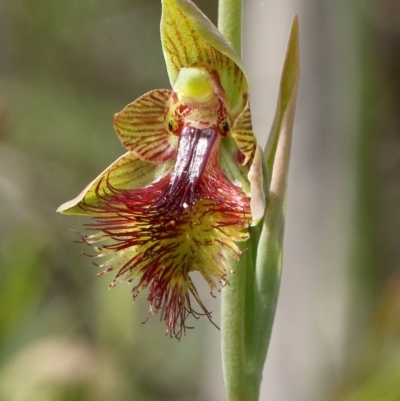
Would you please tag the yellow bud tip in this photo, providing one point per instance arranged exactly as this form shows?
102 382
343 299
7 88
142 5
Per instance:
194 83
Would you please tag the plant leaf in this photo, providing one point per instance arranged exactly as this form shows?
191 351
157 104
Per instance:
269 249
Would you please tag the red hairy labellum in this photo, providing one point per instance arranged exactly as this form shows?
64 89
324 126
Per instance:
188 221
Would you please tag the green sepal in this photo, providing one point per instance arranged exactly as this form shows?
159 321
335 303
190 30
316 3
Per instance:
189 39
127 172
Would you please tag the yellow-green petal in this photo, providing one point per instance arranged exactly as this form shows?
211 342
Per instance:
189 39
242 133
127 172
142 128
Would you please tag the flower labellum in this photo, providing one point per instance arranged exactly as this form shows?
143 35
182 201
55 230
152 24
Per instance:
188 189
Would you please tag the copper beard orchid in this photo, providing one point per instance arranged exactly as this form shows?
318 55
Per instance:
190 185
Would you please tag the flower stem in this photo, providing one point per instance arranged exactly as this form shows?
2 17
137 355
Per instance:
235 297
230 22
238 385
249 302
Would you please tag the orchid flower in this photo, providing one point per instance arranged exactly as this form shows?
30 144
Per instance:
190 186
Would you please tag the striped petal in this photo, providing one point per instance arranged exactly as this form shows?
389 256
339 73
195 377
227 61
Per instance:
142 128
127 172
242 133
189 39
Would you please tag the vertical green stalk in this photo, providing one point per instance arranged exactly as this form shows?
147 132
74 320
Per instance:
233 321
230 22
249 302
233 338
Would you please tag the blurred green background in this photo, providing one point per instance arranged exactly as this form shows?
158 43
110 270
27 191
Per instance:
65 69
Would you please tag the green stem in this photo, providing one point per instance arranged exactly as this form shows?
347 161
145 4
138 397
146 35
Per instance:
235 298
230 22
233 339
249 302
